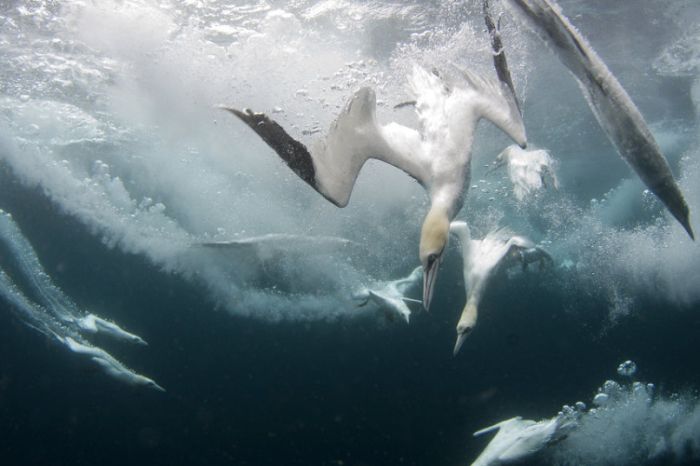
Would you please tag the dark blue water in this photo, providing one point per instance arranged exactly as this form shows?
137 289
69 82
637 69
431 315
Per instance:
247 392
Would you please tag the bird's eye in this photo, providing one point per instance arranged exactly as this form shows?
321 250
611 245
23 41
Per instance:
432 258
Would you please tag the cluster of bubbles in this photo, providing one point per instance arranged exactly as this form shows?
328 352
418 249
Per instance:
629 423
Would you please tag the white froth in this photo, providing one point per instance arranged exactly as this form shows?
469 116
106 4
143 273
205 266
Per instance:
111 112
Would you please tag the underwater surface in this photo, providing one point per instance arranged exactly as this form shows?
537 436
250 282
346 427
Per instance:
117 164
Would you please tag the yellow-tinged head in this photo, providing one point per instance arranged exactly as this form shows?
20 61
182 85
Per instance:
467 322
433 240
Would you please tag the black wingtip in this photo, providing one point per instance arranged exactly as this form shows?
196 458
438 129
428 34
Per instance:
688 228
246 115
293 152
681 213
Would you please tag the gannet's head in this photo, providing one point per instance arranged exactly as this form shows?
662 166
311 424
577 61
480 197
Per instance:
146 382
466 324
433 240
137 340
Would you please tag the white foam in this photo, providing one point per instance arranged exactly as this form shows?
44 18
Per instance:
151 166
111 113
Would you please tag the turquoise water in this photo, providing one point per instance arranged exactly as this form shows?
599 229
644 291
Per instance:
114 161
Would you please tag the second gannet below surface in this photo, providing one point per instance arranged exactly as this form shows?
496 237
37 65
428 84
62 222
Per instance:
438 156
110 365
391 296
95 324
481 258
518 438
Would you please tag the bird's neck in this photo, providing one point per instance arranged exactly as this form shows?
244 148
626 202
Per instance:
469 313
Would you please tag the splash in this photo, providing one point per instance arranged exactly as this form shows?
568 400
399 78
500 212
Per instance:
109 108
631 424
628 424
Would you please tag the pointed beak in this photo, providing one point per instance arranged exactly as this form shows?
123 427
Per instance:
157 387
460 341
140 341
429 279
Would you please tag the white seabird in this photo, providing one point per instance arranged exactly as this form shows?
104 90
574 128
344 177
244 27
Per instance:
617 115
438 156
274 245
94 324
528 170
116 370
518 438
284 241
481 258
391 296
110 365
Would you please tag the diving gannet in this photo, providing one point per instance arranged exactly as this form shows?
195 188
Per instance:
95 324
613 108
281 240
110 365
528 170
390 296
52 299
129 377
277 260
266 247
438 156
481 258
518 438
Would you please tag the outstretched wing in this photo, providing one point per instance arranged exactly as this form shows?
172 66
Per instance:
519 242
333 163
499 55
293 152
617 115
482 97
508 425
451 103
404 284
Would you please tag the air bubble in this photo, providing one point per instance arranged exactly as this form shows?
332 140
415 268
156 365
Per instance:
601 399
627 368
612 388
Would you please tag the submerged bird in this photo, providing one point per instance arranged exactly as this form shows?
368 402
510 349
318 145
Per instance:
438 156
481 258
95 324
616 113
110 365
528 170
281 241
518 438
391 296
270 247
116 370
